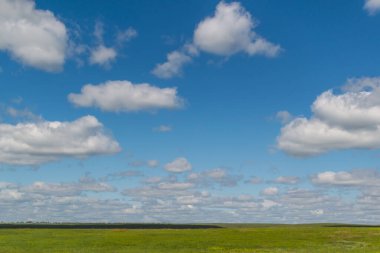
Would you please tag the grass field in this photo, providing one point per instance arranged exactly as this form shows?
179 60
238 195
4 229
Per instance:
232 238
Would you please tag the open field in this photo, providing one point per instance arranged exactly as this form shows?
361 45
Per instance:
229 238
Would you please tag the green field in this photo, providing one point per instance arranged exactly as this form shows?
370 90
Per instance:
233 238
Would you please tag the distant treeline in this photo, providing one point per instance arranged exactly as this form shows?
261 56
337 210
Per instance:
106 226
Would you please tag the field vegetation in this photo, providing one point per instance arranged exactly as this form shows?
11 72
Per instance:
323 238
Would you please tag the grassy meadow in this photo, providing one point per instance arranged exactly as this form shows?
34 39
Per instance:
229 238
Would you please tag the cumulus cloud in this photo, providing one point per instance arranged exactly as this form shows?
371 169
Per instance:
143 163
23 114
372 6
317 212
44 141
68 189
33 37
254 180
229 31
121 175
270 191
179 165
175 185
124 96
218 176
102 55
173 65
126 35
355 178
170 200
286 180
350 120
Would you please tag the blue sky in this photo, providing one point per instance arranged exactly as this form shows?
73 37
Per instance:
170 111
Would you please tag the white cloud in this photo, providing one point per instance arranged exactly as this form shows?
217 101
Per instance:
372 6
217 173
68 189
162 128
317 212
121 175
35 143
214 176
175 185
102 55
254 180
126 35
142 163
286 180
270 191
125 96
267 204
34 37
350 120
230 31
173 65
23 113
284 117
153 163
179 165
358 178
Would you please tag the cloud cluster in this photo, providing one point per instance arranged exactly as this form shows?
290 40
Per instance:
44 141
350 120
270 191
173 199
34 37
217 176
355 178
103 55
287 180
178 165
229 31
124 96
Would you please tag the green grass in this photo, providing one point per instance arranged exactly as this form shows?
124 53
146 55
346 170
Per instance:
233 239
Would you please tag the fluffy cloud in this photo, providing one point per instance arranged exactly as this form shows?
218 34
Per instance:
173 65
171 200
126 35
230 31
179 165
340 121
44 141
286 180
175 185
68 189
34 37
372 6
125 96
270 191
215 176
102 55
358 178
